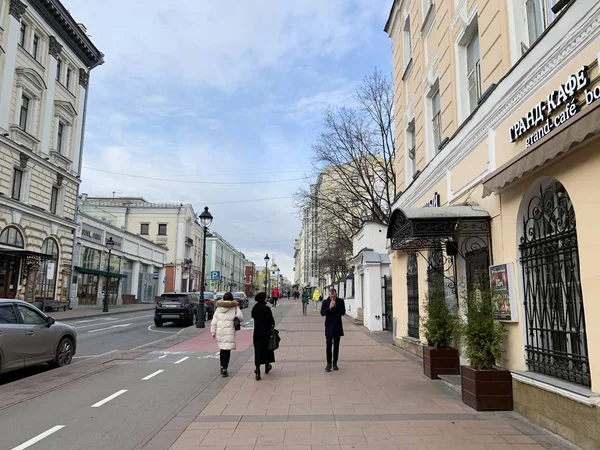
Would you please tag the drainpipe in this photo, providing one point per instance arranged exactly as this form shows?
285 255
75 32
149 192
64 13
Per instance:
83 120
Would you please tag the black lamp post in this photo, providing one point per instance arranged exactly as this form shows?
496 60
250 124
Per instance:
266 273
110 244
205 221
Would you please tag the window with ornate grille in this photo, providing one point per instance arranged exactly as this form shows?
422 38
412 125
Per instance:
412 292
554 308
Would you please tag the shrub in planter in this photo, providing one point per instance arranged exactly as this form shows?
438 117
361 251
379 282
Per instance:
485 387
441 327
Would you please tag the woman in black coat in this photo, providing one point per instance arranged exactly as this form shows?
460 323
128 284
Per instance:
263 324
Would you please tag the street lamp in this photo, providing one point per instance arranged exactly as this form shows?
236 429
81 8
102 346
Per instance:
231 284
110 244
266 273
278 271
205 221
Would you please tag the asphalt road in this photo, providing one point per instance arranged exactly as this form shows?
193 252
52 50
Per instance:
117 408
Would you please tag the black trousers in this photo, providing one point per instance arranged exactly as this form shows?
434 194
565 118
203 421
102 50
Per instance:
275 301
304 307
225 357
333 341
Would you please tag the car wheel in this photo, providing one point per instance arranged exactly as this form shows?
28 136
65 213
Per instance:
158 323
64 353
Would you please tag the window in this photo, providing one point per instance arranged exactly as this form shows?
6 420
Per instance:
23 116
17 184
54 200
23 34
162 229
473 71
35 47
7 314
58 68
145 229
411 149
539 16
31 317
12 237
437 119
68 81
406 42
59 137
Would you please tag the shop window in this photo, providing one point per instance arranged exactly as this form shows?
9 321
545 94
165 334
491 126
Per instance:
48 272
12 237
115 264
87 289
145 229
90 258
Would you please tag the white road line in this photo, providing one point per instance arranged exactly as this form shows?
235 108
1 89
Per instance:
121 325
163 356
86 321
109 398
182 359
152 375
39 437
150 328
99 324
89 356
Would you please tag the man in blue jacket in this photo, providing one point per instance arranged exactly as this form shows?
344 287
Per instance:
333 309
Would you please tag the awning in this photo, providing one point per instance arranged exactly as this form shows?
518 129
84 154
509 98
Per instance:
102 273
583 127
417 228
23 253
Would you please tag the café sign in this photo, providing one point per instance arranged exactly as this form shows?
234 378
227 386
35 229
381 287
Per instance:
90 233
560 106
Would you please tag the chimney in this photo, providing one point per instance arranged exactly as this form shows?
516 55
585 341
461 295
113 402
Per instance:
83 28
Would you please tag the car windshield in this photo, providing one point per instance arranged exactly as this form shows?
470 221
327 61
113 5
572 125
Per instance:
173 298
209 296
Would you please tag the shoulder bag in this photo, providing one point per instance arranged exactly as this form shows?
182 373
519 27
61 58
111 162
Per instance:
237 323
274 340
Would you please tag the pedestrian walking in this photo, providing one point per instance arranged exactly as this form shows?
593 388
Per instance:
333 309
305 301
263 325
275 295
222 328
316 298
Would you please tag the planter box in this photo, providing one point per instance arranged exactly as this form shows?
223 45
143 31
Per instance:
443 361
487 390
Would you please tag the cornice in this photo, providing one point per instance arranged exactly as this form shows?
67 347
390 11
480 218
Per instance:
506 100
40 214
459 13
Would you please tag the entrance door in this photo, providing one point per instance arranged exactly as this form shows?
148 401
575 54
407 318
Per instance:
389 308
9 277
88 289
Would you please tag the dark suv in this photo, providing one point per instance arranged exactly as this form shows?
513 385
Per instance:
176 307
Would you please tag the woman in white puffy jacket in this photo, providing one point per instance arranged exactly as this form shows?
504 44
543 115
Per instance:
222 328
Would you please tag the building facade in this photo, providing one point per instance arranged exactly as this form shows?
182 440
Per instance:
497 106
135 273
172 225
45 63
223 257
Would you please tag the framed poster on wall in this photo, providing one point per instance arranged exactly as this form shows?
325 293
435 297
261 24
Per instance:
502 280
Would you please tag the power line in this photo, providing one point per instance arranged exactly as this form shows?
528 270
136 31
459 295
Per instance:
192 182
250 200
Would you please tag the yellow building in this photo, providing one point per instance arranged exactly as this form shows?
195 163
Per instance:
497 115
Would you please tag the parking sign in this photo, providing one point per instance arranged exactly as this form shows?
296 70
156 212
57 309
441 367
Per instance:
215 275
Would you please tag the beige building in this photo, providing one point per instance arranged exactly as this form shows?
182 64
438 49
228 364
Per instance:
172 225
45 63
497 115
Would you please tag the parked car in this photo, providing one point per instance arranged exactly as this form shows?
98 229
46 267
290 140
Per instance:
209 305
178 307
29 337
241 299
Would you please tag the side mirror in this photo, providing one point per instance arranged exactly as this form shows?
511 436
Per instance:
50 321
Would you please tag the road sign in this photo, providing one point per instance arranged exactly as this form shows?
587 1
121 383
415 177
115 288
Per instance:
155 276
265 283
215 275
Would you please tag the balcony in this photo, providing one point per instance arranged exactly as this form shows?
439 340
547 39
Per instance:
189 242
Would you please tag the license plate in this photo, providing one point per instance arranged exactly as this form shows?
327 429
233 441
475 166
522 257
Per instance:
170 316
171 306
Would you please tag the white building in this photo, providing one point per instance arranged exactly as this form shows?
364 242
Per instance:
222 257
45 63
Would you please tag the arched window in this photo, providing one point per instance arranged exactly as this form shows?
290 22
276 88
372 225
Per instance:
11 236
46 278
556 342
412 291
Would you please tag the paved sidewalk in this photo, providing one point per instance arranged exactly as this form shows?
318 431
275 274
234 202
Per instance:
87 312
379 400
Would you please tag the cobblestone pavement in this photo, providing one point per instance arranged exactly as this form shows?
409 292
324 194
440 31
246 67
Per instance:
379 399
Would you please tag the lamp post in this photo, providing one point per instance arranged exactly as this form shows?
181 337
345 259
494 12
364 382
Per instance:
110 244
278 288
266 273
205 221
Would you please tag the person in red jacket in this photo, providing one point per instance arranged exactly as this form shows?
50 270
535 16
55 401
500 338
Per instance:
275 295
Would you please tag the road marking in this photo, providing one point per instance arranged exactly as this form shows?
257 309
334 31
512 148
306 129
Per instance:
86 321
89 356
39 437
112 321
182 359
150 328
109 398
121 325
163 356
152 375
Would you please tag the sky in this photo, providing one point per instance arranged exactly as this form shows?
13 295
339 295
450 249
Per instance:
198 94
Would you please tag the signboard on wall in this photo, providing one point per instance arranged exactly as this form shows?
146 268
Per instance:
502 282
91 233
116 239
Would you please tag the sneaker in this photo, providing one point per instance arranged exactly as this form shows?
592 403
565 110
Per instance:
224 373
328 368
335 367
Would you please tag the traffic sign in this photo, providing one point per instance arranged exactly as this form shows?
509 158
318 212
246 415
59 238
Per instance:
155 276
265 283
215 275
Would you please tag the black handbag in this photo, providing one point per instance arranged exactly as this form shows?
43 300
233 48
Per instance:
237 324
274 340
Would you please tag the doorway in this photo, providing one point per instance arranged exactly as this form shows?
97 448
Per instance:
9 276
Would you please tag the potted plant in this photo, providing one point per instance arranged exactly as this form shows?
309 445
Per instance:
485 386
440 326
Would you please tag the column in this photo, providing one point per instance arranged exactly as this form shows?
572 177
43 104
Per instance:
54 49
11 39
161 285
135 279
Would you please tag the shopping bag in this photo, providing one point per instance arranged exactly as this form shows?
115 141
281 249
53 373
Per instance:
274 340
